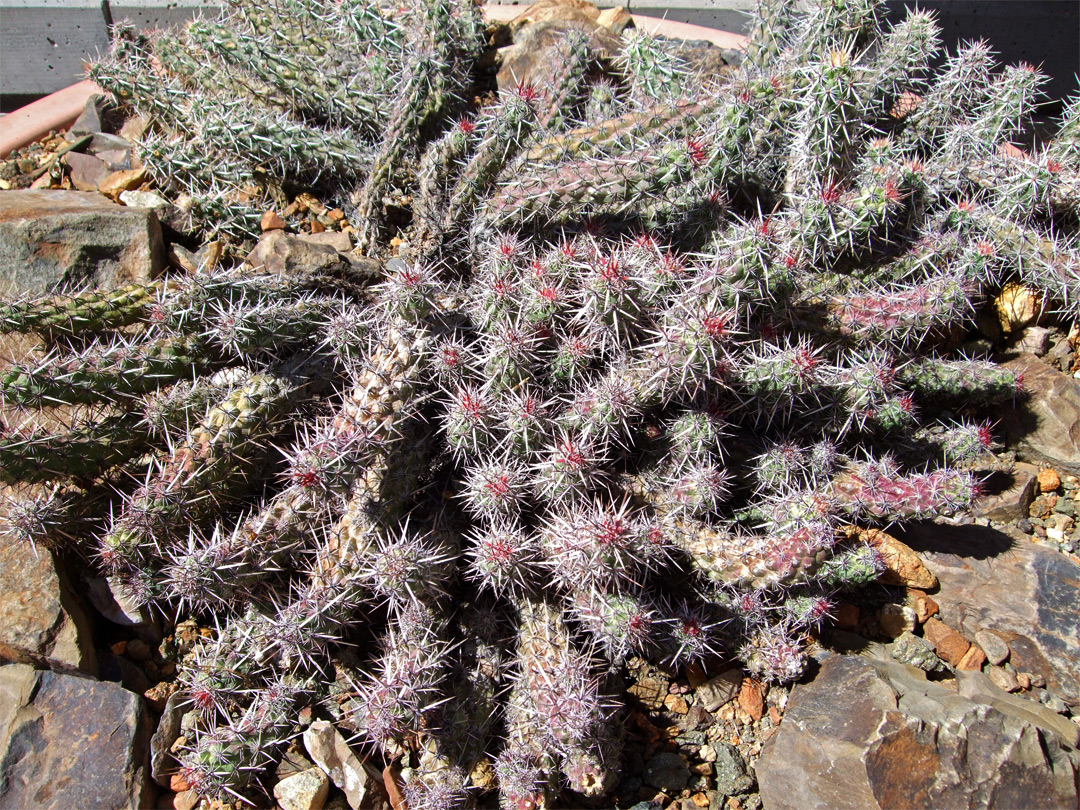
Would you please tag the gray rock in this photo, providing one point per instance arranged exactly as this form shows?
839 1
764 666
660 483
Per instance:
1026 594
303 791
868 733
328 749
70 742
85 171
1045 424
1011 494
162 763
106 595
993 645
718 690
731 776
280 252
1003 679
338 240
65 240
979 688
42 619
1034 340
667 772
916 651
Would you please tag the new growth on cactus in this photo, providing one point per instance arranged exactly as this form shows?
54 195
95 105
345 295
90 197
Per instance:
652 341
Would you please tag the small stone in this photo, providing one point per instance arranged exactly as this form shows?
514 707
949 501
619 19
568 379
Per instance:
902 565
695 675
271 222
918 652
731 774
118 182
676 703
996 649
336 214
895 619
922 603
707 753
700 799
144 199
85 171
1016 306
751 700
973 659
1051 701
651 690
139 650
847 616
948 644
1034 340
1049 480
303 791
667 772
158 695
1011 499
186 800
328 749
720 689
618 19
1003 679
1024 680
178 784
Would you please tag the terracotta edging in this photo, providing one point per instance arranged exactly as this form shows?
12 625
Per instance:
59 110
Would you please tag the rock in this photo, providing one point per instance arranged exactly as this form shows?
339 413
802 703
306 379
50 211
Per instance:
616 19
328 749
1049 480
667 772
751 700
1025 593
948 644
545 10
1003 679
529 60
720 689
146 199
1016 306
279 252
271 221
922 603
42 619
70 240
894 620
676 704
902 565
650 688
338 240
1044 425
186 800
1033 340
731 776
303 791
1009 496
918 652
162 762
118 182
70 742
978 687
89 120
997 651
867 733
85 171
973 659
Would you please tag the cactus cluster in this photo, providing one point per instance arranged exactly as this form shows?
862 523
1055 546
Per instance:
655 344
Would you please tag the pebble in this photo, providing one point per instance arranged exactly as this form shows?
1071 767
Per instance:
895 619
916 651
676 703
1003 679
948 644
1051 701
667 772
720 689
751 699
1049 480
996 649
271 222
306 790
731 775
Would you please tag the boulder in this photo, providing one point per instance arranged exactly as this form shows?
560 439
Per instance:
42 619
70 742
868 733
1044 425
68 240
1025 593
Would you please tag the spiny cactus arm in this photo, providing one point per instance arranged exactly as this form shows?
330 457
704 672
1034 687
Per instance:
652 73
961 87
771 29
84 452
89 312
877 490
440 160
904 56
106 372
827 24
563 94
936 379
1065 147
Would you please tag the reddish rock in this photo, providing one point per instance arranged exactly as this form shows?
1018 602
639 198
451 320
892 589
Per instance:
867 734
902 565
676 703
85 171
118 182
948 644
1049 480
922 603
847 616
751 700
973 659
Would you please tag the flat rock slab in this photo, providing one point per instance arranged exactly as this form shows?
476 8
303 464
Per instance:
868 733
1044 426
1025 593
70 742
42 621
70 240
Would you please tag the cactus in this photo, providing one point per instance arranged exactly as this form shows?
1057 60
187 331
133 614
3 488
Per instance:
647 344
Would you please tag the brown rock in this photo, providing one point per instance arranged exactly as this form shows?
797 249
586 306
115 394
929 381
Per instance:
676 703
895 619
902 565
328 749
973 659
1016 306
1008 498
531 58
186 800
158 695
868 734
42 619
695 675
651 688
336 239
85 171
178 783
1003 679
69 741
922 603
1049 480
616 19
393 789
61 240
847 616
751 700
1045 424
271 222
720 689
948 644
118 182
545 10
